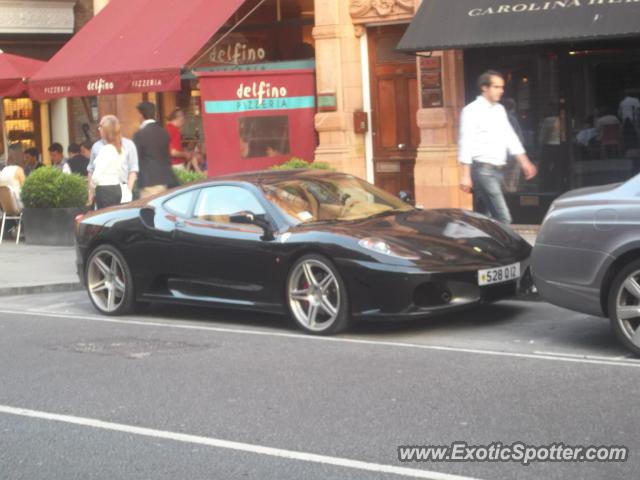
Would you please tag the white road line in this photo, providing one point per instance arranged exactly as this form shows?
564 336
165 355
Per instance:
48 308
356 341
590 357
230 445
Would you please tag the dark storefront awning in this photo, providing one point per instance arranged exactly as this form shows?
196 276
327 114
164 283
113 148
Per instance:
14 70
459 24
132 46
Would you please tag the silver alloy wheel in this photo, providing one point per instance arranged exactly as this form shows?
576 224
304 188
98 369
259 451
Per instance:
314 295
628 308
106 281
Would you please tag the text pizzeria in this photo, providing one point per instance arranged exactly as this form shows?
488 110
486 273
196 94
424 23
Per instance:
542 6
146 83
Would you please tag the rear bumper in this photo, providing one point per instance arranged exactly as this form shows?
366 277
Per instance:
380 291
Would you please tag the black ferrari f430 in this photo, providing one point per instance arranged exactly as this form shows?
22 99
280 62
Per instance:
325 247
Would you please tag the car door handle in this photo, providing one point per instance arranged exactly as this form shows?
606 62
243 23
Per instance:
180 224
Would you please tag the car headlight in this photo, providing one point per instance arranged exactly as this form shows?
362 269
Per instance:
381 246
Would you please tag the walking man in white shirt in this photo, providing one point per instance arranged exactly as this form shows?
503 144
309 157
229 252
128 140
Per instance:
486 137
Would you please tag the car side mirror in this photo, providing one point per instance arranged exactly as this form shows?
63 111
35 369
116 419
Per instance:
250 218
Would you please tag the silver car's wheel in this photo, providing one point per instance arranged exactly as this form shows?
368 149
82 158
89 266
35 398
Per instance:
623 306
108 281
316 295
628 308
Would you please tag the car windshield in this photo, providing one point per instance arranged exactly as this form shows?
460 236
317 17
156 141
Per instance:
330 198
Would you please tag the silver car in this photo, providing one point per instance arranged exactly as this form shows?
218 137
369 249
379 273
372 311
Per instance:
587 256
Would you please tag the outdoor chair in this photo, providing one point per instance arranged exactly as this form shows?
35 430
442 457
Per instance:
10 211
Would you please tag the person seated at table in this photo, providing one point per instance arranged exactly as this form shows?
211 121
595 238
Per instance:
77 162
606 120
12 175
56 153
31 160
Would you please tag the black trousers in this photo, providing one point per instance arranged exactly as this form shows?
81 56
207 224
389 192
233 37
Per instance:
108 196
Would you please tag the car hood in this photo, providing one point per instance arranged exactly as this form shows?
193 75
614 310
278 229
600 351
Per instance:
442 236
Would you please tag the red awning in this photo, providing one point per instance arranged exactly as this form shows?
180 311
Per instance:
13 72
132 46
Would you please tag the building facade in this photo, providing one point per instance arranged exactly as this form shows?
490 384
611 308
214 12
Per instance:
411 105
38 29
393 118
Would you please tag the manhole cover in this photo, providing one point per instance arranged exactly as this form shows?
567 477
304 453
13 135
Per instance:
133 348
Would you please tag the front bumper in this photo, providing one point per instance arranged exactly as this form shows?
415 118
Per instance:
392 292
80 264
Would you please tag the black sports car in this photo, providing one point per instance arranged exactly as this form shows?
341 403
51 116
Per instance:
325 247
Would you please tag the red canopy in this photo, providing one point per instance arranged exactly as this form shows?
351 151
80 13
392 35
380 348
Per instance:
13 72
132 46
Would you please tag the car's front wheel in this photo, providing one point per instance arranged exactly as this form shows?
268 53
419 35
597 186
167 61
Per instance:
624 306
109 281
317 297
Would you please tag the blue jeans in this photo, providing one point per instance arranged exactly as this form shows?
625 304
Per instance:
487 192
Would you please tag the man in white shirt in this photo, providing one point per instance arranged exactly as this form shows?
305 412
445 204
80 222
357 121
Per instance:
486 137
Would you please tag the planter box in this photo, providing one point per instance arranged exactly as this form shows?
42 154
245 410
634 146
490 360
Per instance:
50 226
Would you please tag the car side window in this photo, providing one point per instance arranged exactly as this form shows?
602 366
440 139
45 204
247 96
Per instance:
217 204
180 204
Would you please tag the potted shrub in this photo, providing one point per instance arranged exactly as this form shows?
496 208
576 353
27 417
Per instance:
186 176
298 163
52 200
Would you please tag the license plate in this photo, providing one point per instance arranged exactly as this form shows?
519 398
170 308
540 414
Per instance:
491 276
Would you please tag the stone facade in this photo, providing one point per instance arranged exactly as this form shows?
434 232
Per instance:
339 24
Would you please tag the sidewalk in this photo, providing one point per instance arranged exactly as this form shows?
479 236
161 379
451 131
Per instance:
36 269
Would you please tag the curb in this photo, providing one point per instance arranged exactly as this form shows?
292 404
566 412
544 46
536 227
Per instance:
48 288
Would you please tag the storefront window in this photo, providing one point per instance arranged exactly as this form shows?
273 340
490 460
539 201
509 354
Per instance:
577 111
19 121
605 114
264 136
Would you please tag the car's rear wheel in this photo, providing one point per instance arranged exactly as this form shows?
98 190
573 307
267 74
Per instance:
624 306
109 281
317 297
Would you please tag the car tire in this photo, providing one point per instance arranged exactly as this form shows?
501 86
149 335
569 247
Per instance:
624 306
109 281
317 297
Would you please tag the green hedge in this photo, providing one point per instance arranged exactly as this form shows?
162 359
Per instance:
48 187
296 163
185 176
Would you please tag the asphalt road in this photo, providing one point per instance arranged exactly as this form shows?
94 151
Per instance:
180 393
